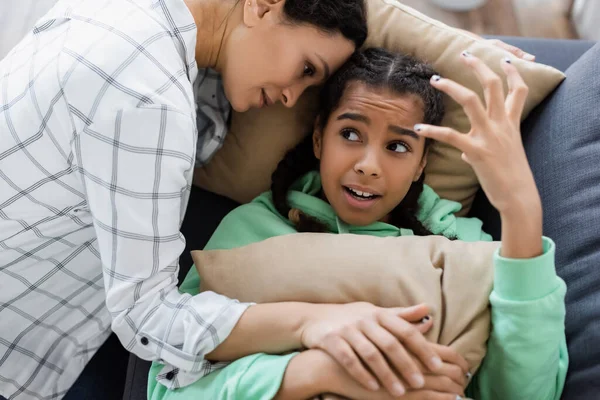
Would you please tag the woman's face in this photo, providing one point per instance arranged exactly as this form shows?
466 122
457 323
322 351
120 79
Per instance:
369 154
268 61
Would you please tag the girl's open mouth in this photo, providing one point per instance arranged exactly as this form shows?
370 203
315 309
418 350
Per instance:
359 199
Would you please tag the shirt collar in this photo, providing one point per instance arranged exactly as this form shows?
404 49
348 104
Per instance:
178 18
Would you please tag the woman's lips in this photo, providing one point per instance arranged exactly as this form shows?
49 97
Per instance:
265 100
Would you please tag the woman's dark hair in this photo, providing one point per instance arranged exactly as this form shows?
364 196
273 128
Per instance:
349 17
378 69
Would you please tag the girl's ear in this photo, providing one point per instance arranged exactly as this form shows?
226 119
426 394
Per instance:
317 139
422 166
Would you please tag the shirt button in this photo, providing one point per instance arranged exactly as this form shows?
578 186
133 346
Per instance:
170 375
144 340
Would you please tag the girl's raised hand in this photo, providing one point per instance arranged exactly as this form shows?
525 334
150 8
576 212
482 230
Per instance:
494 148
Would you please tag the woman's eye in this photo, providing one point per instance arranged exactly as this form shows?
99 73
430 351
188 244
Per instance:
350 135
309 70
399 147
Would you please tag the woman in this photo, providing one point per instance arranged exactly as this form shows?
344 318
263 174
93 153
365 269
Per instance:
361 172
98 136
105 107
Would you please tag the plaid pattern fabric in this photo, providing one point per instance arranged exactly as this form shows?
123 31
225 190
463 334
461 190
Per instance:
98 135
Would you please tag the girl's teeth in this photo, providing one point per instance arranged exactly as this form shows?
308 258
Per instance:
362 194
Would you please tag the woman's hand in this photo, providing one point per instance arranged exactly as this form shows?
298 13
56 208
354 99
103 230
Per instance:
494 148
380 338
517 52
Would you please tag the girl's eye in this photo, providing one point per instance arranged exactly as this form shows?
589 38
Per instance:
399 148
309 70
350 135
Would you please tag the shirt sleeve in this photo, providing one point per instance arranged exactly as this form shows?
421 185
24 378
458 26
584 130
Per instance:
136 167
527 351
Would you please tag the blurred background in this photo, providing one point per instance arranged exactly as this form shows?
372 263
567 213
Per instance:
564 19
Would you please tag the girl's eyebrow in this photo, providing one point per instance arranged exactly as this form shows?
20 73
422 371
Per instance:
392 128
403 131
354 117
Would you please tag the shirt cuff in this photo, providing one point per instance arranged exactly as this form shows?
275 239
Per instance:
526 279
173 377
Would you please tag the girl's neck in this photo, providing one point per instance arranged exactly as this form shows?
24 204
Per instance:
215 20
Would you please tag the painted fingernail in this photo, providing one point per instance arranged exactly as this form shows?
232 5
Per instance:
436 78
507 60
417 381
466 54
458 397
398 389
373 385
418 128
425 319
469 376
436 362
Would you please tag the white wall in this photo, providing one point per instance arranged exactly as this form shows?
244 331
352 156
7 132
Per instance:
16 19
586 18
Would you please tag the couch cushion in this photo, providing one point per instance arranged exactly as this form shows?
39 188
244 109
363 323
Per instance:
563 146
428 270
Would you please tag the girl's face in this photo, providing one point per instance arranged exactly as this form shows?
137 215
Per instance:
268 61
369 154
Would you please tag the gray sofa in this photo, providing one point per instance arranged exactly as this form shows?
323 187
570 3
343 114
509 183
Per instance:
562 138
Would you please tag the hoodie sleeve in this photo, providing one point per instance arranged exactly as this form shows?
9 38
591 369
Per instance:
527 350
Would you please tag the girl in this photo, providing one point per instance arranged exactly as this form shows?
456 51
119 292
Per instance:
362 172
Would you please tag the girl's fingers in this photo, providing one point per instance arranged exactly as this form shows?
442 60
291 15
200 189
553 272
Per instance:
424 325
443 384
398 356
347 358
493 88
449 355
366 346
468 99
445 135
417 315
412 340
517 92
465 158
414 313
430 395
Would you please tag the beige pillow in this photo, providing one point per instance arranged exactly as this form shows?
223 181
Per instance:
453 277
258 139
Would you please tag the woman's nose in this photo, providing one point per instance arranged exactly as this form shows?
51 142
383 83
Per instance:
290 95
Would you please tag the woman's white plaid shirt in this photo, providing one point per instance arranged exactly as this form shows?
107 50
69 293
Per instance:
98 139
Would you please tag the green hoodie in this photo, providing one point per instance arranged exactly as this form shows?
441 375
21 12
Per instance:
526 356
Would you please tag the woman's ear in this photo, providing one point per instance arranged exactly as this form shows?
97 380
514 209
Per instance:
256 10
422 166
317 139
